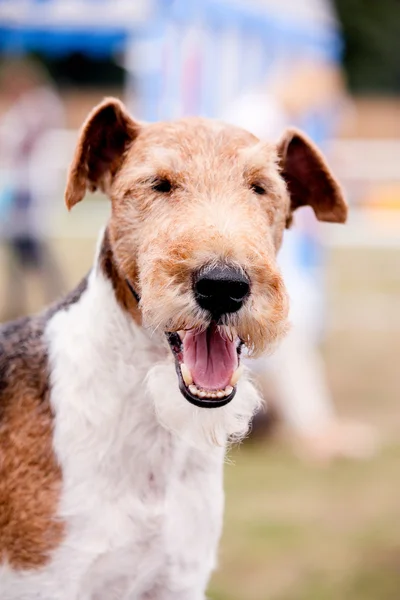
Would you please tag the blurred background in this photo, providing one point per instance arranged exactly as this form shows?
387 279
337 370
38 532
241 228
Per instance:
312 507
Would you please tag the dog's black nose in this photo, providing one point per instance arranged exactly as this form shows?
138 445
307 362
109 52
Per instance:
221 289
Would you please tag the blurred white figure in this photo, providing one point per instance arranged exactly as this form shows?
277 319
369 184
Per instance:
296 372
28 182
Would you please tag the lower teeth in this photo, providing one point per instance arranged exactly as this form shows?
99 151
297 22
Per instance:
195 391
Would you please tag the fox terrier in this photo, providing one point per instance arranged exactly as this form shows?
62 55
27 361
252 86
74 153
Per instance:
118 402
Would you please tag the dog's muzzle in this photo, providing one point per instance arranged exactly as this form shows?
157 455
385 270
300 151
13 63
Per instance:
207 360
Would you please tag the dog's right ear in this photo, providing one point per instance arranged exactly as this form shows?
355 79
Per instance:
103 141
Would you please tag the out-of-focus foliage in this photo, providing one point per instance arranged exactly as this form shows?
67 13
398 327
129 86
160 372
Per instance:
372 37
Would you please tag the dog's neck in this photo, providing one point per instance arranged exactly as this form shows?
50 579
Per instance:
124 292
138 368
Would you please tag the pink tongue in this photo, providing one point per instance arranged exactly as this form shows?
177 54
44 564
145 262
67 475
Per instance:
211 358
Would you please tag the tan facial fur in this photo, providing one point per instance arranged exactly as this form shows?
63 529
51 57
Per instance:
195 192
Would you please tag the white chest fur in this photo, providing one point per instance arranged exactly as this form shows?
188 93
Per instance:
143 509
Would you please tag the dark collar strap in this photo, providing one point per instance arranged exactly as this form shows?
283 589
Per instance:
133 291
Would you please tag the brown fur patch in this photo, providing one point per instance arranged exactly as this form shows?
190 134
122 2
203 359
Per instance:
122 292
30 478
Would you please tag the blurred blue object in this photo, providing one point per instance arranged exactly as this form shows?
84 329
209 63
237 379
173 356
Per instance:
61 41
198 55
6 198
57 27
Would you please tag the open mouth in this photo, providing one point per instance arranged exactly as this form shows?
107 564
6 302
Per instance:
208 365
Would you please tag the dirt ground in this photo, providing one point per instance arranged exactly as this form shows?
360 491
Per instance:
298 531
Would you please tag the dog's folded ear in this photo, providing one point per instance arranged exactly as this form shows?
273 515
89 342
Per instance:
103 140
308 178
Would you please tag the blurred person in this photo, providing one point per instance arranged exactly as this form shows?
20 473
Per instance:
294 380
27 183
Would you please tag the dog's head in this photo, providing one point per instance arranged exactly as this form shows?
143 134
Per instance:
198 213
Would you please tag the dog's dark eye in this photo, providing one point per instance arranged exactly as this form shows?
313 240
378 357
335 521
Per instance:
258 189
163 186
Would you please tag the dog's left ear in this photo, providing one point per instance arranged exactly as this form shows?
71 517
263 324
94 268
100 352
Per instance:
309 179
103 141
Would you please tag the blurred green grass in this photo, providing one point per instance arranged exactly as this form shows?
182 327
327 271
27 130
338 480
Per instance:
298 532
